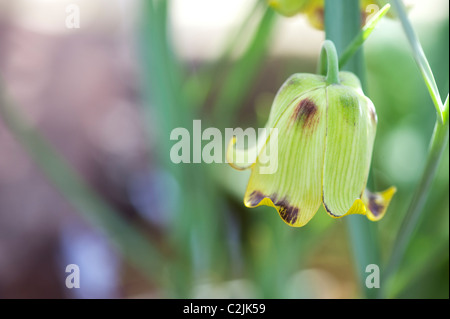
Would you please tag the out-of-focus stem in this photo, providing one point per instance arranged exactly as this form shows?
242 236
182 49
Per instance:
420 58
437 145
342 24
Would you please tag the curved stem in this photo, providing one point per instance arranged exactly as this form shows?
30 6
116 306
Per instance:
420 58
437 145
329 62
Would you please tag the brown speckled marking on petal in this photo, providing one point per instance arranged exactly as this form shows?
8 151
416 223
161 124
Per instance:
374 207
305 113
256 197
287 212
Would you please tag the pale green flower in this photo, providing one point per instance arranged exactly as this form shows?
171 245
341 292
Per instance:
325 140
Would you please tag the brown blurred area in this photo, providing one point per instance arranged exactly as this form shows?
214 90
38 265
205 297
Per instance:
80 90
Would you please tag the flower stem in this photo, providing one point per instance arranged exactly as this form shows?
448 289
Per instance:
329 62
342 24
420 58
437 145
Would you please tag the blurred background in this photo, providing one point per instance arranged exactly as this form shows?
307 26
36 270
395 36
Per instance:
88 179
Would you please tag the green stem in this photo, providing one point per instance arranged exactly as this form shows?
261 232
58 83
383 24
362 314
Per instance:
420 58
342 24
329 63
362 36
437 145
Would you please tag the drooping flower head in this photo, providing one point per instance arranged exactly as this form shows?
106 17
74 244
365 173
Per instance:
314 9
325 135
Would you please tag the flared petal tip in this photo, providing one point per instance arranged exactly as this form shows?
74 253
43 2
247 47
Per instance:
378 203
230 156
288 213
358 207
373 205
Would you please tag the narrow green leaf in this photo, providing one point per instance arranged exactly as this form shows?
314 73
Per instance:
420 58
365 32
438 143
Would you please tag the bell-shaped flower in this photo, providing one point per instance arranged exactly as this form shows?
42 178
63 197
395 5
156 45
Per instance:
321 131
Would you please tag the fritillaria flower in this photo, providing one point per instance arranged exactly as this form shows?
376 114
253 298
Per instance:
314 9
325 133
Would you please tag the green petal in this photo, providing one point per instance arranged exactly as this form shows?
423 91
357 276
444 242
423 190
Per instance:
351 80
292 88
294 189
296 85
350 136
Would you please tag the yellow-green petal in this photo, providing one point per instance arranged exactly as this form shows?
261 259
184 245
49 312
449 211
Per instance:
295 188
351 80
351 127
296 85
287 7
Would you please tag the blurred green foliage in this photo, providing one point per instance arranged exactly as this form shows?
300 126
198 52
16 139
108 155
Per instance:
213 238
271 253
